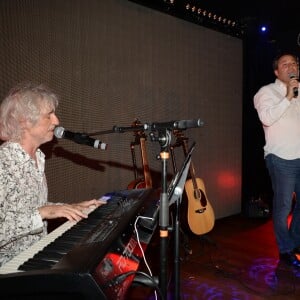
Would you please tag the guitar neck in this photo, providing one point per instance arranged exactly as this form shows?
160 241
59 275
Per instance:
135 170
193 175
147 175
192 169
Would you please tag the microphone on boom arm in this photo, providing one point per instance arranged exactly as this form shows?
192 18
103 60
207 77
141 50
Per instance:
79 138
170 125
180 124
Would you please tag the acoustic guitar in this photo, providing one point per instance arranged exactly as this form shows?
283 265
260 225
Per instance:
140 140
200 214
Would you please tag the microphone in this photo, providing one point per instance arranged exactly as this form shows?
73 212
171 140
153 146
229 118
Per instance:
295 89
184 124
181 124
79 138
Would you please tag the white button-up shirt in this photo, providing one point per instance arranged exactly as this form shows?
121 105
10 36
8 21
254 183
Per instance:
23 189
281 120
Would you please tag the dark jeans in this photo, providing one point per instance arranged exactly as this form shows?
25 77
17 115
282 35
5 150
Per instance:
285 177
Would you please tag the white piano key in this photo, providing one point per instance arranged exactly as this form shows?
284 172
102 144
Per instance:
12 265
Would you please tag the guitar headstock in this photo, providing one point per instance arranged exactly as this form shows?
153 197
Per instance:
180 137
138 133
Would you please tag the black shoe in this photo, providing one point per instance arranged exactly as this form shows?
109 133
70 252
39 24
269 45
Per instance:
290 259
296 250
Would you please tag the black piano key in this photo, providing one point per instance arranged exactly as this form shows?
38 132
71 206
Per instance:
48 255
62 249
33 264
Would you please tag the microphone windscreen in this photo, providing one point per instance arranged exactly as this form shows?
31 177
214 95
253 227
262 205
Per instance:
293 76
59 132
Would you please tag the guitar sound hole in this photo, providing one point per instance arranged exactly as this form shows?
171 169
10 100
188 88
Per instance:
200 211
198 194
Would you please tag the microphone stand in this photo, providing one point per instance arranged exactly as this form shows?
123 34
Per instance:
167 198
164 139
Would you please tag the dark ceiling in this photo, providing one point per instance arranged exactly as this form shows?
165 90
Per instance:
281 17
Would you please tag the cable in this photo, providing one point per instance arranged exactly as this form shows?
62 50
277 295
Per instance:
121 277
142 250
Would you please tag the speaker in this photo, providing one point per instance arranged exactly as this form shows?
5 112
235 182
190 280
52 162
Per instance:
256 208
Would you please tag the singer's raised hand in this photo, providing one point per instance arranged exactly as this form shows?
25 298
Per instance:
292 87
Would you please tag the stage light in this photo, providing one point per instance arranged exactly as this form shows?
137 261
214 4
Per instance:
191 11
211 19
263 28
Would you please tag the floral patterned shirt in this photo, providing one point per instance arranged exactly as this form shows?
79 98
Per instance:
23 189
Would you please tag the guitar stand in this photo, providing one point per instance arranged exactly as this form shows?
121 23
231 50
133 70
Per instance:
185 242
186 245
206 240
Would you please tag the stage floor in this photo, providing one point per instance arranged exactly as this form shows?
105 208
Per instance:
238 259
